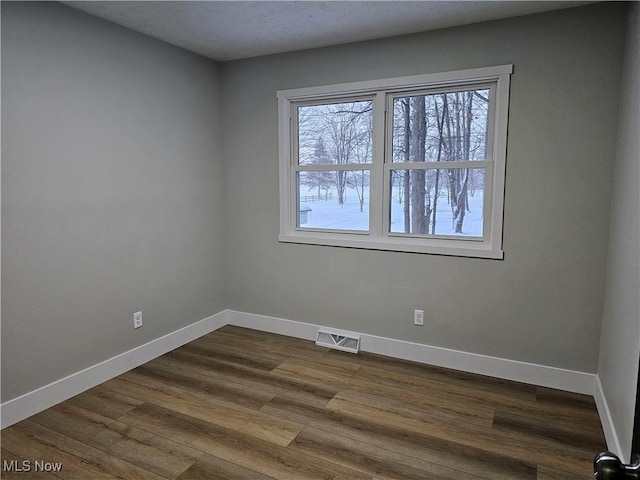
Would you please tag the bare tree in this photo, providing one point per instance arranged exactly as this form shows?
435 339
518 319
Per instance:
419 214
455 134
340 131
347 128
406 111
362 155
445 127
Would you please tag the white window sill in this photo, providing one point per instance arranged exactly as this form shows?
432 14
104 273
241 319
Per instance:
457 248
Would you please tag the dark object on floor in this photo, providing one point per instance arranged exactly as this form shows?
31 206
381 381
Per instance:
607 466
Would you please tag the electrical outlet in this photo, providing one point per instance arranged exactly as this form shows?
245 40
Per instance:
418 317
137 320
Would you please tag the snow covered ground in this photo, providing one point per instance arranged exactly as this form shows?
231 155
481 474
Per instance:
330 215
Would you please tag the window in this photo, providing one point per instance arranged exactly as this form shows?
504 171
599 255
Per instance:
411 164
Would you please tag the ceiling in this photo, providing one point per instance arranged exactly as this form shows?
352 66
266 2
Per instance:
230 30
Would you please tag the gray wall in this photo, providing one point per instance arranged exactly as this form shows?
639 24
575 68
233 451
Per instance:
542 304
112 191
620 337
137 176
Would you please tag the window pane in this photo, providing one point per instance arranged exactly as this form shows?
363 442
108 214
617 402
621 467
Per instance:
438 201
442 127
334 200
335 133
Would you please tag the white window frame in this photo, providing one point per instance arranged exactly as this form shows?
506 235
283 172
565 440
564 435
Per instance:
382 91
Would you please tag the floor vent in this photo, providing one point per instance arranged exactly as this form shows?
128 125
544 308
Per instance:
338 340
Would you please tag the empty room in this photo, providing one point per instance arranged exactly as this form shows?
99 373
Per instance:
311 240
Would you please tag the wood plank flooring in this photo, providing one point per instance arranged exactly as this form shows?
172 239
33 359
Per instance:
242 404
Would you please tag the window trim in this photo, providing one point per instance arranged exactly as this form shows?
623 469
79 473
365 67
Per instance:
382 91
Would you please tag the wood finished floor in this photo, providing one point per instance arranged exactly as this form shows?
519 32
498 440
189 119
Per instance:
242 404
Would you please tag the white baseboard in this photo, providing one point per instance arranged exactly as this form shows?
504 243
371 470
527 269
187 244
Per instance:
610 434
42 398
568 380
